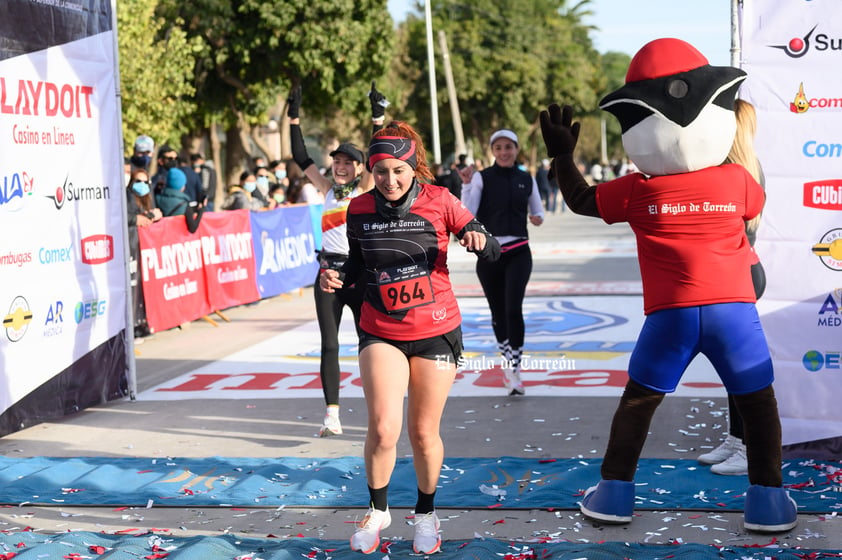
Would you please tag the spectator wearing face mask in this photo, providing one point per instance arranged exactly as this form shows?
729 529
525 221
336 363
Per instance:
168 159
142 155
278 168
140 212
264 183
241 196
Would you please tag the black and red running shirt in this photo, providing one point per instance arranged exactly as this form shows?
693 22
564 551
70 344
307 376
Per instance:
408 295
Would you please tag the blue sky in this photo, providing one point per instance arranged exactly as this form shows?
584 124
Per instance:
626 25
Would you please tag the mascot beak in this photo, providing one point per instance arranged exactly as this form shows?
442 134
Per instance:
678 98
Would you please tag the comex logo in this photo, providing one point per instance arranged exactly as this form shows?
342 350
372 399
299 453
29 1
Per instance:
814 360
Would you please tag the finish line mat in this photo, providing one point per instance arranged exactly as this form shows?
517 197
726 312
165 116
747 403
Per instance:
79 545
506 482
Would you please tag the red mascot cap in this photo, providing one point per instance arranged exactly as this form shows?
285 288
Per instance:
664 57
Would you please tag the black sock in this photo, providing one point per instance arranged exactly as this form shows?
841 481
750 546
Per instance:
425 503
379 498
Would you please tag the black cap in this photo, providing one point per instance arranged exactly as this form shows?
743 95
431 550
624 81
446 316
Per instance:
349 150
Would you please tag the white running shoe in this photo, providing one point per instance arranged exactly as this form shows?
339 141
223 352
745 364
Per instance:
735 465
367 537
427 538
514 385
331 426
725 450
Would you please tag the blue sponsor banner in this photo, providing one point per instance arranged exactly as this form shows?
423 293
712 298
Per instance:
284 249
316 215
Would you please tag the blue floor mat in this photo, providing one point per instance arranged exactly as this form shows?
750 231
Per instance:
80 545
506 482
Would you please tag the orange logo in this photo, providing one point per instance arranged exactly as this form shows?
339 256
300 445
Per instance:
800 104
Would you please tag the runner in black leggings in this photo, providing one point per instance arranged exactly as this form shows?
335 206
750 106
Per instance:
349 180
503 198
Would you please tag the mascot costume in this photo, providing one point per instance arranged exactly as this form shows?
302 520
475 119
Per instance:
688 212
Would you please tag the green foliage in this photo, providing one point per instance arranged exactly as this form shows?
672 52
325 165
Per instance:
156 72
510 59
186 66
253 51
614 66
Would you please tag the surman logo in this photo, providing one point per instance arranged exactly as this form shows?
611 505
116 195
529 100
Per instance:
797 46
68 192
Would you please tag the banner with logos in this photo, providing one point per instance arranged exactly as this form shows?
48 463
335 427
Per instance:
62 267
172 272
788 50
285 249
234 257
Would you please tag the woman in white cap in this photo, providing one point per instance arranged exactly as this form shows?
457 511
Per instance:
349 179
504 198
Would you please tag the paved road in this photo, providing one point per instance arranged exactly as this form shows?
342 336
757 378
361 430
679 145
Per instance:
572 255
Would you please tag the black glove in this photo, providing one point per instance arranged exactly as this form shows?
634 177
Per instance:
294 102
378 102
559 134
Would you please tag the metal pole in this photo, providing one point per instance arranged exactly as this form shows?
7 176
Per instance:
735 33
431 63
451 95
131 364
603 144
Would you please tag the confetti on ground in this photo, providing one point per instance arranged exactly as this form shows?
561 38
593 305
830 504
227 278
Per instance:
510 482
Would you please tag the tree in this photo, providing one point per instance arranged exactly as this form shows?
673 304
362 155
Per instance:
155 75
253 51
614 67
510 59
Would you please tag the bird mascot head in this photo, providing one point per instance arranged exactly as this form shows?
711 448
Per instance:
676 111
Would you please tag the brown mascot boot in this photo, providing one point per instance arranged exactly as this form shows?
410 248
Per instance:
612 500
768 506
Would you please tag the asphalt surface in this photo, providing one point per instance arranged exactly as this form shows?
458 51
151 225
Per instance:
499 426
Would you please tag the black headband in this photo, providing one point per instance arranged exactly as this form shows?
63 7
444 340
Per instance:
386 147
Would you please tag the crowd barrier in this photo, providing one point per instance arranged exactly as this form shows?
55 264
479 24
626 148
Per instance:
233 258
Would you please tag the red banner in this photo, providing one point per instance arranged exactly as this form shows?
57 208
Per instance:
229 258
173 274
186 276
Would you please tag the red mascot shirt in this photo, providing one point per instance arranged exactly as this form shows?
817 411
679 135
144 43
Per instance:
690 231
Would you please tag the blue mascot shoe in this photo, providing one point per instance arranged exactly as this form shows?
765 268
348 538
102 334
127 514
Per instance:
769 509
610 501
